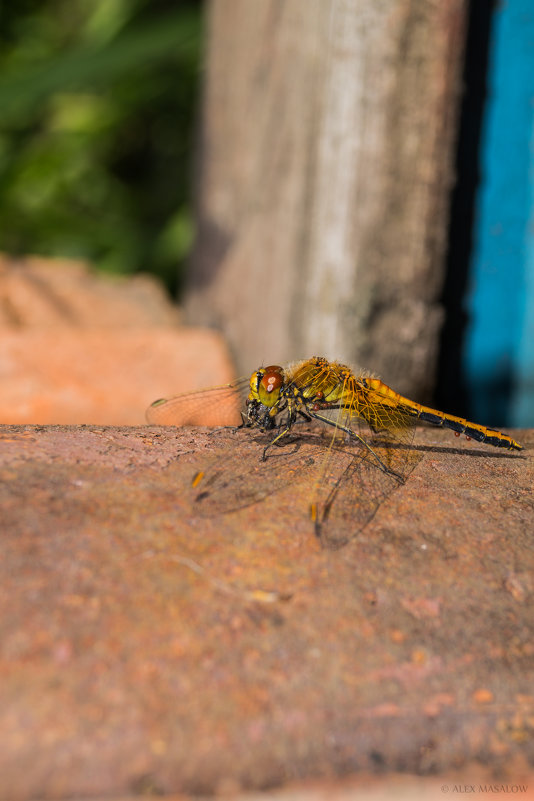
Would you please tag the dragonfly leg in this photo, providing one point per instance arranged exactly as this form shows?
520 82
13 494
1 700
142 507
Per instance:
291 417
276 440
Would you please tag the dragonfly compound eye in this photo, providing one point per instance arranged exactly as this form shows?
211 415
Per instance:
270 385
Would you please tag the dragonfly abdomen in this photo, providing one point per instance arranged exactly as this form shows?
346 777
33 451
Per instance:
382 407
471 430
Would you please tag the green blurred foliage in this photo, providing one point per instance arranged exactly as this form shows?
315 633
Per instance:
97 110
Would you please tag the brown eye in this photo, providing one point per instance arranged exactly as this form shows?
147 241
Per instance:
272 379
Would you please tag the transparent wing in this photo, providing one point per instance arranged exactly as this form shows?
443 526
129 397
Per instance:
385 412
370 454
216 406
390 436
238 477
353 485
341 478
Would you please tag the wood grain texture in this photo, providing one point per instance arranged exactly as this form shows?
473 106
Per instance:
325 168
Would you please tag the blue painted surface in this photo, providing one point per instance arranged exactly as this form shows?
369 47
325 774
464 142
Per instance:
499 354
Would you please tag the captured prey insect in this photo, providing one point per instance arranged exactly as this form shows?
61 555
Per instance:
368 453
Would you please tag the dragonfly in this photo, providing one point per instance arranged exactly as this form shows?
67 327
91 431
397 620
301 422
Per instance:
367 454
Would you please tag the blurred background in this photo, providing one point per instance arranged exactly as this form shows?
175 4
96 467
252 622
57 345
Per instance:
337 178
98 102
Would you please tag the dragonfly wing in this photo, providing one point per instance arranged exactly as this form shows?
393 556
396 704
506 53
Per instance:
353 484
239 478
216 406
389 436
349 497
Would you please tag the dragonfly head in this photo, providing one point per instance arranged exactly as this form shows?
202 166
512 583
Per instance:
264 396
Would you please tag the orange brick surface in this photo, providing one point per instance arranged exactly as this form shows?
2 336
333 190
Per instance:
76 347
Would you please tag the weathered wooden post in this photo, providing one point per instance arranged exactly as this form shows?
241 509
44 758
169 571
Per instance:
326 159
